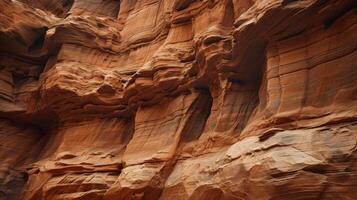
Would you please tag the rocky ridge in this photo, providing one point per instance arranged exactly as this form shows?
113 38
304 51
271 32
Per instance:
178 99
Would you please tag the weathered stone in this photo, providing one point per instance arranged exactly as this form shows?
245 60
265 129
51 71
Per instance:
178 99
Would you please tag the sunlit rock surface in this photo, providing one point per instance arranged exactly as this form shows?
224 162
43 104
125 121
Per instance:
178 99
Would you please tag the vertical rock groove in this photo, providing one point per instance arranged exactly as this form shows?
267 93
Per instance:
178 99
200 109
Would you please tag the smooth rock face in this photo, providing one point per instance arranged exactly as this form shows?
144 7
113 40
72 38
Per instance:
178 99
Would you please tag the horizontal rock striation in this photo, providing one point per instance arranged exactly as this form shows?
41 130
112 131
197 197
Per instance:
178 99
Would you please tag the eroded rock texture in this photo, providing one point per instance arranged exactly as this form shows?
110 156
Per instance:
178 99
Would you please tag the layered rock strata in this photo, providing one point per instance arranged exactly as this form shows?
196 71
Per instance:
178 99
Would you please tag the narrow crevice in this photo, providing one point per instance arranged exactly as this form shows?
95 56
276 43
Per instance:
39 40
117 10
249 105
67 4
120 168
282 174
18 79
181 5
316 169
201 110
287 2
128 133
338 15
66 7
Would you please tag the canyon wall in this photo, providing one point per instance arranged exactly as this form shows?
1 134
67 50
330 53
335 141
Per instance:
178 99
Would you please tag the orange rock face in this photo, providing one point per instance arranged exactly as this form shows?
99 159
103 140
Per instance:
178 99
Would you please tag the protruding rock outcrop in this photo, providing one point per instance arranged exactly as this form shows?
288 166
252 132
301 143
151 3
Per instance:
178 99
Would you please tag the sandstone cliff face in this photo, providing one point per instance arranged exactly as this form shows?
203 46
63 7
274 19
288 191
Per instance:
178 99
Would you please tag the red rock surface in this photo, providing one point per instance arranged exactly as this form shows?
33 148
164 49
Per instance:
178 99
